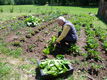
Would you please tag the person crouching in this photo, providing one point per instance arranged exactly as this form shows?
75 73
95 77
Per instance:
68 35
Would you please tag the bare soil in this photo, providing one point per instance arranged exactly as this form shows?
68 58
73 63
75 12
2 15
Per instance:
39 40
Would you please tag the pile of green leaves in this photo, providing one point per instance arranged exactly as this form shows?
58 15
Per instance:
32 21
54 66
50 48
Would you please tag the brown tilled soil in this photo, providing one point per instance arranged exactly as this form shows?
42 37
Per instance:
39 40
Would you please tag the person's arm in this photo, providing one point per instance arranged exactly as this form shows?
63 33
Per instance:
63 34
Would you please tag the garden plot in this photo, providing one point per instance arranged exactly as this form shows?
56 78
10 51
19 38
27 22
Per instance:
85 56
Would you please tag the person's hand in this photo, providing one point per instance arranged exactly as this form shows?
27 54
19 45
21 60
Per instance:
55 43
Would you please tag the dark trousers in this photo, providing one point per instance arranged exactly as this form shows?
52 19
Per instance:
65 40
64 45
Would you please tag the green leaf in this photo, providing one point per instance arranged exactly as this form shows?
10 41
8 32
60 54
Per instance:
46 51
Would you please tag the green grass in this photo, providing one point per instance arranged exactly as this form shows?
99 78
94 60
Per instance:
76 75
99 23
27 66
16 68
7 51
7 72
4 69
19 10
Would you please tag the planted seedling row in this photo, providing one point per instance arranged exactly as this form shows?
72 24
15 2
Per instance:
79 23
36 42
31 22
92 45
32 33
22 23
101 34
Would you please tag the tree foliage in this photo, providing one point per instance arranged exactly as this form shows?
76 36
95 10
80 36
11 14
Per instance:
51 2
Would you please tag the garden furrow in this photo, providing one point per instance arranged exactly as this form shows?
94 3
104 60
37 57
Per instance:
40 40
82 40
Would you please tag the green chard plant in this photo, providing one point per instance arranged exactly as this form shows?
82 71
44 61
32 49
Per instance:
105 45
74 49
91 43
50 48
95 68
32 21
94 54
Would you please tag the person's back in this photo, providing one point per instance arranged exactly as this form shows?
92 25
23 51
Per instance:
71 36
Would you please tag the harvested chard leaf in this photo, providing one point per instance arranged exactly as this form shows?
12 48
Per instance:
60 56
54 66
50 48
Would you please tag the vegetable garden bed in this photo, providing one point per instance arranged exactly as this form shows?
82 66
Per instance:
33 40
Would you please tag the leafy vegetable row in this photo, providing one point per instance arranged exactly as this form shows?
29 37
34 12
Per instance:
92 44
102 36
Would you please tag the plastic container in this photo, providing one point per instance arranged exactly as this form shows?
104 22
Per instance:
51 77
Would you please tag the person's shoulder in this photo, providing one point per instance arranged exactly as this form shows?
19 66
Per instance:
69 23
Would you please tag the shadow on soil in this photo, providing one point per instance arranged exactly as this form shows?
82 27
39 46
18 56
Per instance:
48 77
61 49
102 19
